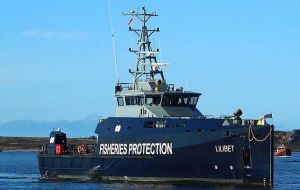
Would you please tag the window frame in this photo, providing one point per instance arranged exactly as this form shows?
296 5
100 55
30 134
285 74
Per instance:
120 101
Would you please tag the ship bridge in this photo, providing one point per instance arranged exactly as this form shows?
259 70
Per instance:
150 95
154 102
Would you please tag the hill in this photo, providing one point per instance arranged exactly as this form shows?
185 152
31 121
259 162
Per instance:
34 143
31 128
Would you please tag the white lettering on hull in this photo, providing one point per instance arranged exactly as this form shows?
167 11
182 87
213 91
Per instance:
136 149
224 148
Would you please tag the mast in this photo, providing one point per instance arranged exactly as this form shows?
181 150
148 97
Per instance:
146 67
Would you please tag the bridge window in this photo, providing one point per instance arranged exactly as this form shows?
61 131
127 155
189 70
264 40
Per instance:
179 100
153 100
120 101
193 100
183 100
130 100
139 100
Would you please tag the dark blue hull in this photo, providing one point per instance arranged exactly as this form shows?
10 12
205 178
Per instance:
197 155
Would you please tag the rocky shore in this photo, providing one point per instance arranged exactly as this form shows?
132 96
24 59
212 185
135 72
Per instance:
290 139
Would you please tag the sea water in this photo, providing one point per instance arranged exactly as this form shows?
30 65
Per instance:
19 170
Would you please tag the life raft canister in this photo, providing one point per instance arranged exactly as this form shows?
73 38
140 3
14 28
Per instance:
58 149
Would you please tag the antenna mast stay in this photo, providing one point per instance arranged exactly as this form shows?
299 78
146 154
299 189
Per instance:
113 42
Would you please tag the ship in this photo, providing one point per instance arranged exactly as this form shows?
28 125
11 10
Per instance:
283 151
159 135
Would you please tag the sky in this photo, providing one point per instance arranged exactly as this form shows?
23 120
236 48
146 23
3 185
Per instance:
56 59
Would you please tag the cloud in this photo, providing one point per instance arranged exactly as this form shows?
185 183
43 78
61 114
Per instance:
51 34
38 33
71 35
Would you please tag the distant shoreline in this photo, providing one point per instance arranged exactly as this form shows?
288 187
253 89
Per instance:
21 150
33 144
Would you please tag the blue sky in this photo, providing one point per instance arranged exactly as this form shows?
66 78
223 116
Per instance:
56 56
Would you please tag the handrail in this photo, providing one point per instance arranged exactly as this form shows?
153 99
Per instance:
82 149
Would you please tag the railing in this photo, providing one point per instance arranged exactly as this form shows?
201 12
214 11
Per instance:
70 150
230 119
125 85
208 116
226 116
170 87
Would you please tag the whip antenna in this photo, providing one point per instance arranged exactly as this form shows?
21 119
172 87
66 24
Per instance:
113 42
